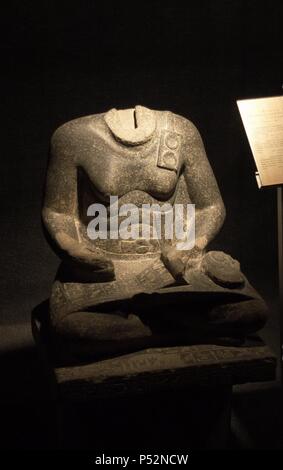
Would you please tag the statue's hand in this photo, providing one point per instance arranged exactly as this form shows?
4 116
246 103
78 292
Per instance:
174 261
179 261
79 254
93 260
194 258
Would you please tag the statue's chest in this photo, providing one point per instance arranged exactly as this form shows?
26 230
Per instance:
153 169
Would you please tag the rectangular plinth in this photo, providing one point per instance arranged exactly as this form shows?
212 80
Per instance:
173 368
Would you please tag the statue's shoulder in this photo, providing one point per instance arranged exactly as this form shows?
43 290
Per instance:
185 125
80 125
75 132
177 122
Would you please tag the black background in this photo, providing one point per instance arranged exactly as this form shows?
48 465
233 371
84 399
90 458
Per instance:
61 60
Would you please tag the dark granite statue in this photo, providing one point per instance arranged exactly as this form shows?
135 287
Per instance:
112 296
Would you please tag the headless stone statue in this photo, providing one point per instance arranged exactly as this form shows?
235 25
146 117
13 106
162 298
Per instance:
112 296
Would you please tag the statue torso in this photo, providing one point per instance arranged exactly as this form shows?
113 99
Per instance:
114 167
144 172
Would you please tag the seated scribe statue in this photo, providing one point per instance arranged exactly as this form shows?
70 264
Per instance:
114 295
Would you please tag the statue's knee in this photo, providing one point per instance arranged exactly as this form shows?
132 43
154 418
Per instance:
101 327
247 316
90 334
70 322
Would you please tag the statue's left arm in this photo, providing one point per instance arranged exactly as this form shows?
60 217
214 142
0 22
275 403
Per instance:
204 193
202 188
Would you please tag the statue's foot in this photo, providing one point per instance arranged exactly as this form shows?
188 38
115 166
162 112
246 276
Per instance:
239 318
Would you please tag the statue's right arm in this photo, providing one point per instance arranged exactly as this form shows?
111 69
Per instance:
60 207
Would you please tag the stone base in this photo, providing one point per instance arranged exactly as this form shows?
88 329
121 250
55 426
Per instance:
180 396
174 368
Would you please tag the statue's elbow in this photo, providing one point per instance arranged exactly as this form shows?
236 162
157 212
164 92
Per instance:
219 214
222 212
49 223
45 216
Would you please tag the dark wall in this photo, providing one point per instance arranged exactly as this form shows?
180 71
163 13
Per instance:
62 60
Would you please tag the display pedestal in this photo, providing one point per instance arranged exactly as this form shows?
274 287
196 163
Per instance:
175 397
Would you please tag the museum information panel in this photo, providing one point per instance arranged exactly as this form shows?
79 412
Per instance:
263 122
